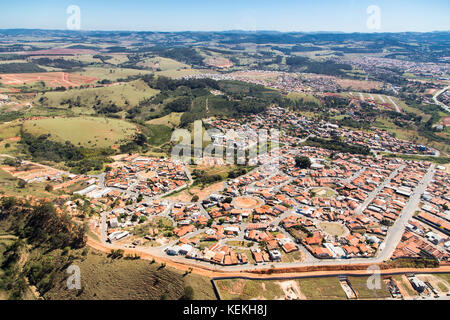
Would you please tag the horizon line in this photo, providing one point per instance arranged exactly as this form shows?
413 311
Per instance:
221 31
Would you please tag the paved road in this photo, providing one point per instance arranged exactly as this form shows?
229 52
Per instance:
393 237
435 99
396 231
374 193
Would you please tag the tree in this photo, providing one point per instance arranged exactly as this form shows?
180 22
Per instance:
188 293
48 188
195 198
302 162
21 184
228 200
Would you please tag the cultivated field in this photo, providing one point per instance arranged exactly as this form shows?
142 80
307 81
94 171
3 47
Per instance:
85 131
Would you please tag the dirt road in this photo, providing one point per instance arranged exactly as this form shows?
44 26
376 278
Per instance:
285 273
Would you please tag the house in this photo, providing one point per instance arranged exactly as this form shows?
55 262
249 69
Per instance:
275 255
185 249
173 251
321 252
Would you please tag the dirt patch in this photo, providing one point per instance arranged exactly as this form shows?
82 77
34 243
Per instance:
437 283
52 79
292 290
446 121
246 203
358 85
334 228
208 162
186 196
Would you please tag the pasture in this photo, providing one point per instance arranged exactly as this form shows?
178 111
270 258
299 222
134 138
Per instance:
88 132
124 95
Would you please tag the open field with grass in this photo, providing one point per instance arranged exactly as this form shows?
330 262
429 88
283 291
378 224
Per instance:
323 192
239 289
322 288
360 285
110 73
358 85
124 95
410 135
171 120
9 187
84 131
120 279
303 96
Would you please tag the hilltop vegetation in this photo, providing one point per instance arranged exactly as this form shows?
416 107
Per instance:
103 100
48 242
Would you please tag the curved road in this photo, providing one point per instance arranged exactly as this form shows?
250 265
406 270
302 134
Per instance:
435 99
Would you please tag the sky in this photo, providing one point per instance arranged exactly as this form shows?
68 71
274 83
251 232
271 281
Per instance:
213 15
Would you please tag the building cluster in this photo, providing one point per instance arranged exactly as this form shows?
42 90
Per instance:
146 176
428 233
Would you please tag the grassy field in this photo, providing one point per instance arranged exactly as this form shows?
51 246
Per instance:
359 284
84 131
410 135
323 192
9 186
306 97
124 95
106 279
239 289
171 120
322 289
159 134
112 73
9 133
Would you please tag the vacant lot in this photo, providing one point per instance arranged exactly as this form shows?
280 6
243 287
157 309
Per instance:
84 131
334 228
323 192
9 187
51 79
360 285
322 289
239 289
358 85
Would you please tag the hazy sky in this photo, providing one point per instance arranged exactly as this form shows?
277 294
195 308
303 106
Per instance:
213 15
